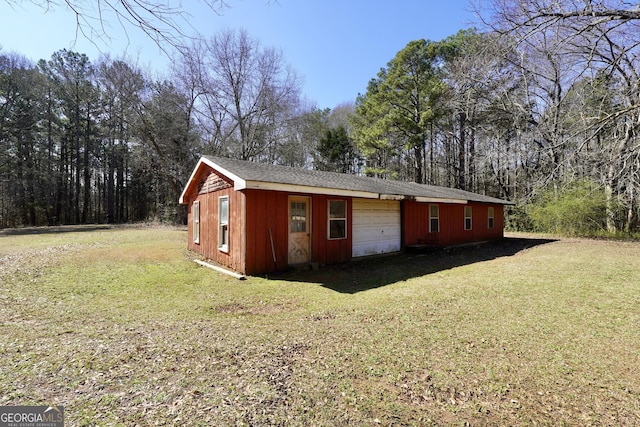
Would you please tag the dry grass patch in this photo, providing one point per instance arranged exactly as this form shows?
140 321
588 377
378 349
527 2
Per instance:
122 328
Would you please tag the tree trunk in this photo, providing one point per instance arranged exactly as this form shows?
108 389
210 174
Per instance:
417 152
76 196
608 189
462 152
87 170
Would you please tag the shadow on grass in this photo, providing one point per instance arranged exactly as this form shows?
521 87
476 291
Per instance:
378 271
53 229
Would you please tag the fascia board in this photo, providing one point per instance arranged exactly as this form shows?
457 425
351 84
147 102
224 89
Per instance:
238 183
441 200
292 188
394 197
190 181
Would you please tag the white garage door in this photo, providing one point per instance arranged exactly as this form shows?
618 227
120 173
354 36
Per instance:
376 227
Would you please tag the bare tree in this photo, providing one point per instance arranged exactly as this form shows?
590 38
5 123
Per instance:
161 21
568 47
538 15
247 95
487 112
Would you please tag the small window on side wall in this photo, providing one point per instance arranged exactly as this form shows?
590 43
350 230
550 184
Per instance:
196 222
490 216
223 223
434 219
467 218
337 219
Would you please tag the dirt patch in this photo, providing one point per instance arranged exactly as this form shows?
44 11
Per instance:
158 253
260 308
31 263
54 229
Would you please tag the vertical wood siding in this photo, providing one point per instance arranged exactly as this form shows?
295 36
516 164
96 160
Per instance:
270 210
266 210
415 218
325 250
252 213
208 246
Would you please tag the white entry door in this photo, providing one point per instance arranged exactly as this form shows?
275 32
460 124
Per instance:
376 227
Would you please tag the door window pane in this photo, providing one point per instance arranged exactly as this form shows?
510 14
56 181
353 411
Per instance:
298 220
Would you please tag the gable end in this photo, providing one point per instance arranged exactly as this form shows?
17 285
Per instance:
213 182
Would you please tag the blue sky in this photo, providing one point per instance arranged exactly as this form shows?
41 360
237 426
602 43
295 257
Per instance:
336 46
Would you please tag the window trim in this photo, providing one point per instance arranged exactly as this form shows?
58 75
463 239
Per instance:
437 218
490 217
331 219
222 246
195 222
468 218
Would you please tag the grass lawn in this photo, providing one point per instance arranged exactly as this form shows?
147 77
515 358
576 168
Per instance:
121 327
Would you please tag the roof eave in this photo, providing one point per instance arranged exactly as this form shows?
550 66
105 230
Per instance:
293 188
395 197
190 181
441 200
238 183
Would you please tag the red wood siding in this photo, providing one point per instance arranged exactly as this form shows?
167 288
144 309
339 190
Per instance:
253 213
266 210
208 246
325 250
415 218
270 210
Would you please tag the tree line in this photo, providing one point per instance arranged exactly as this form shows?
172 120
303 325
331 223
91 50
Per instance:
103 142
84 143
540 107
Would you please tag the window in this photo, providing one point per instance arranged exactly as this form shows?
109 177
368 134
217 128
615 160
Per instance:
196 222
223 223
298 220
467 217
490 216
434 219
337 219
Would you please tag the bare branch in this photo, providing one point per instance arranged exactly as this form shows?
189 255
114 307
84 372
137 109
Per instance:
160 21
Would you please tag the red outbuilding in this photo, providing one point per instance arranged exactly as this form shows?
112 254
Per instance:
256 218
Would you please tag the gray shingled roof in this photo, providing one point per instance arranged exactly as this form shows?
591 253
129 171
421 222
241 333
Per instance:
260 172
